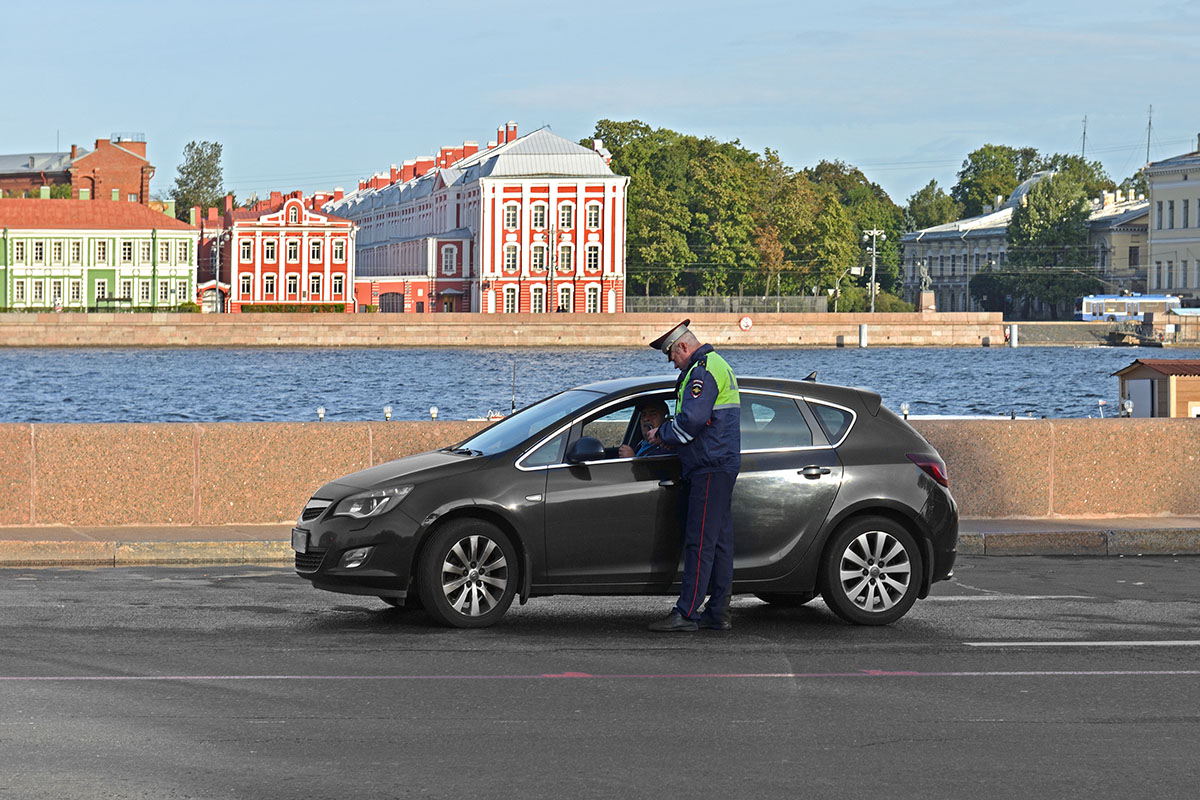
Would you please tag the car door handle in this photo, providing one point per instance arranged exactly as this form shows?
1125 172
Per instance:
814 472
666 483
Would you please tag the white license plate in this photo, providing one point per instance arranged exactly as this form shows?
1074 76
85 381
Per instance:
299 541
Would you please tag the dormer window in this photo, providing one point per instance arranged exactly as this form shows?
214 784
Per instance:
293 215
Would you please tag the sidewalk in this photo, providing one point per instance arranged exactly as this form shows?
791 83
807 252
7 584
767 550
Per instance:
58 546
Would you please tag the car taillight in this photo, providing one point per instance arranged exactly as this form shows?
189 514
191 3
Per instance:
933 467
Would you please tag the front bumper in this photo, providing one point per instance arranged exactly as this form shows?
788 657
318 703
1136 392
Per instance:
387 572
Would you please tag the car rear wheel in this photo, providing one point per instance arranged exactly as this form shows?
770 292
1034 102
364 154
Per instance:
872 572
468 574
785 600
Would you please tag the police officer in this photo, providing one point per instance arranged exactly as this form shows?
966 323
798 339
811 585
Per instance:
706 432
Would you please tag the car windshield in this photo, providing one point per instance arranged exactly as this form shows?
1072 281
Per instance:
511 431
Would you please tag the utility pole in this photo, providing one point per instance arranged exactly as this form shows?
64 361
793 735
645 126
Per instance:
1149 126
1083 148
872 236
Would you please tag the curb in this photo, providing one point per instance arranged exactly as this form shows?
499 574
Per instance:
128 554
1118 542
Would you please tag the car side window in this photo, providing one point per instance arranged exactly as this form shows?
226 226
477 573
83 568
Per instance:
834 421
611 428
549 453
770 422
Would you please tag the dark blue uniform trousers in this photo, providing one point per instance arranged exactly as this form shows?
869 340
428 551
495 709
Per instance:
707 544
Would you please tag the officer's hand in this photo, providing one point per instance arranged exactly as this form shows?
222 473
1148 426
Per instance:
625 451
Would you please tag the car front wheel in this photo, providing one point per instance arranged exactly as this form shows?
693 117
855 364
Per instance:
872 572
468 574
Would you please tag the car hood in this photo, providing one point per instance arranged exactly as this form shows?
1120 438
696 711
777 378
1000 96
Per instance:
419 467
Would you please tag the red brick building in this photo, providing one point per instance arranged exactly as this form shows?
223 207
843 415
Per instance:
529 224
282 252
117 169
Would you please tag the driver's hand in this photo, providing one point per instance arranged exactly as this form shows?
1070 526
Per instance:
625 451
652 436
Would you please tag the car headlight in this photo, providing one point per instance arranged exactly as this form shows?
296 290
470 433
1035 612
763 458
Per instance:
372 503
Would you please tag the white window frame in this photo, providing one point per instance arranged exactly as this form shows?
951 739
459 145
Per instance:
127 288
595 208
101 252
512 303
18 252
247 251
593 300
512 215
39 252
566 257
144 291
164 291
449 259
293 215
339 251
537 299
293 284
269 251
76 290
147 252
293 251
126 251
56 292
566 216
566 299
164 252
537 258
339 284
183 252
101 288
56 252
247 284
314 286
593 259
39 291
314 251
181 292
268 284
19 291
512 257
76 252
537 216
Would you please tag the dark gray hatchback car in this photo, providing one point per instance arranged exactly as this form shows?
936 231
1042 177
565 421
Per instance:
837 495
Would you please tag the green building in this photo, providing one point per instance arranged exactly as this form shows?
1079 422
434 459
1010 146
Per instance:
84 255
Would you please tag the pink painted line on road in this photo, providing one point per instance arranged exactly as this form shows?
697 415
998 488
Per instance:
872 673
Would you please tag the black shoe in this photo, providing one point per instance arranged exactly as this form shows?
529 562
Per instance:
719 622
673 623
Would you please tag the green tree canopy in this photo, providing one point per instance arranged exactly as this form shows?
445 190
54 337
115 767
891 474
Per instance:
199 182
1090 175
930 206
992 170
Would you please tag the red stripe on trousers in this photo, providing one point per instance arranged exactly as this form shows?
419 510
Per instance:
700 552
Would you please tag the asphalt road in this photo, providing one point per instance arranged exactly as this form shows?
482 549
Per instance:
1026 677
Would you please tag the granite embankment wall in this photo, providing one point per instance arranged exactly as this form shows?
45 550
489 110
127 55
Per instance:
490 330
241 473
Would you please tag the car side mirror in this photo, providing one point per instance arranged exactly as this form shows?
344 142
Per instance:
586 448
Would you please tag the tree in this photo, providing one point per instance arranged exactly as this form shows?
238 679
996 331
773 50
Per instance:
1135 185
1048 243
833 246
658 225
930 206
1088 174
199 182
992 170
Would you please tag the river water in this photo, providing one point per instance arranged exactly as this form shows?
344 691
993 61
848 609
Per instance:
280 385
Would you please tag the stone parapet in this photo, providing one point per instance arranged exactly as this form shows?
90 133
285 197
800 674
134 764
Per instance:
207 474
967 329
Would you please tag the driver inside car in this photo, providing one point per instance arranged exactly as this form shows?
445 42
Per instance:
653 414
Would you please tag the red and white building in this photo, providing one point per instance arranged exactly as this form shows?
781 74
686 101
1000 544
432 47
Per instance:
283 252
530 224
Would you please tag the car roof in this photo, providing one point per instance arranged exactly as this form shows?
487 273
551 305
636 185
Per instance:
826 391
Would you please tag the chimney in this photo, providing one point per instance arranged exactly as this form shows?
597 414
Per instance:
1198 142
424 164
511 133
276 198
500 135
999 201
408 170
491 145
1120 196
170 209
393 174
74 151
470 148
212 214
228 203
338 193
194 216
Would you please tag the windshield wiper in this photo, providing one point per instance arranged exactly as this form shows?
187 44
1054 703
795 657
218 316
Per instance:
464 451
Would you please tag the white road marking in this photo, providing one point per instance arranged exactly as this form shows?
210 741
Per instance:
1142 643
951 598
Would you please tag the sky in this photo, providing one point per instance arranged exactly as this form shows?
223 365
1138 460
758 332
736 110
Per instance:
315 95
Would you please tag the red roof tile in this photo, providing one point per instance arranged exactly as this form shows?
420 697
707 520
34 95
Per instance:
1169 366
84 215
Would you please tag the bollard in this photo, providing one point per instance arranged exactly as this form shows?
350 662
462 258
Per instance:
862 335
1012 335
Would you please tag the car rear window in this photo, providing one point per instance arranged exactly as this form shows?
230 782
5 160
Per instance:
834 421
770 422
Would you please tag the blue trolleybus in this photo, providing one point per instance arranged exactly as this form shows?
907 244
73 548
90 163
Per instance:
1123 307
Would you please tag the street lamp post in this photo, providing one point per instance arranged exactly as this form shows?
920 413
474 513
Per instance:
871 236
837 291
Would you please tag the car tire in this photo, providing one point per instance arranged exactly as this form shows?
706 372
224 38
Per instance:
872 571
468 574
785 599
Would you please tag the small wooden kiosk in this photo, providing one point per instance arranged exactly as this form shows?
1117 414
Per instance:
1162 387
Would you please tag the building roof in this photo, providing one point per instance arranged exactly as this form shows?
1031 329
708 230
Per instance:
33 163
255 214
1187 160
36 214
1165 366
